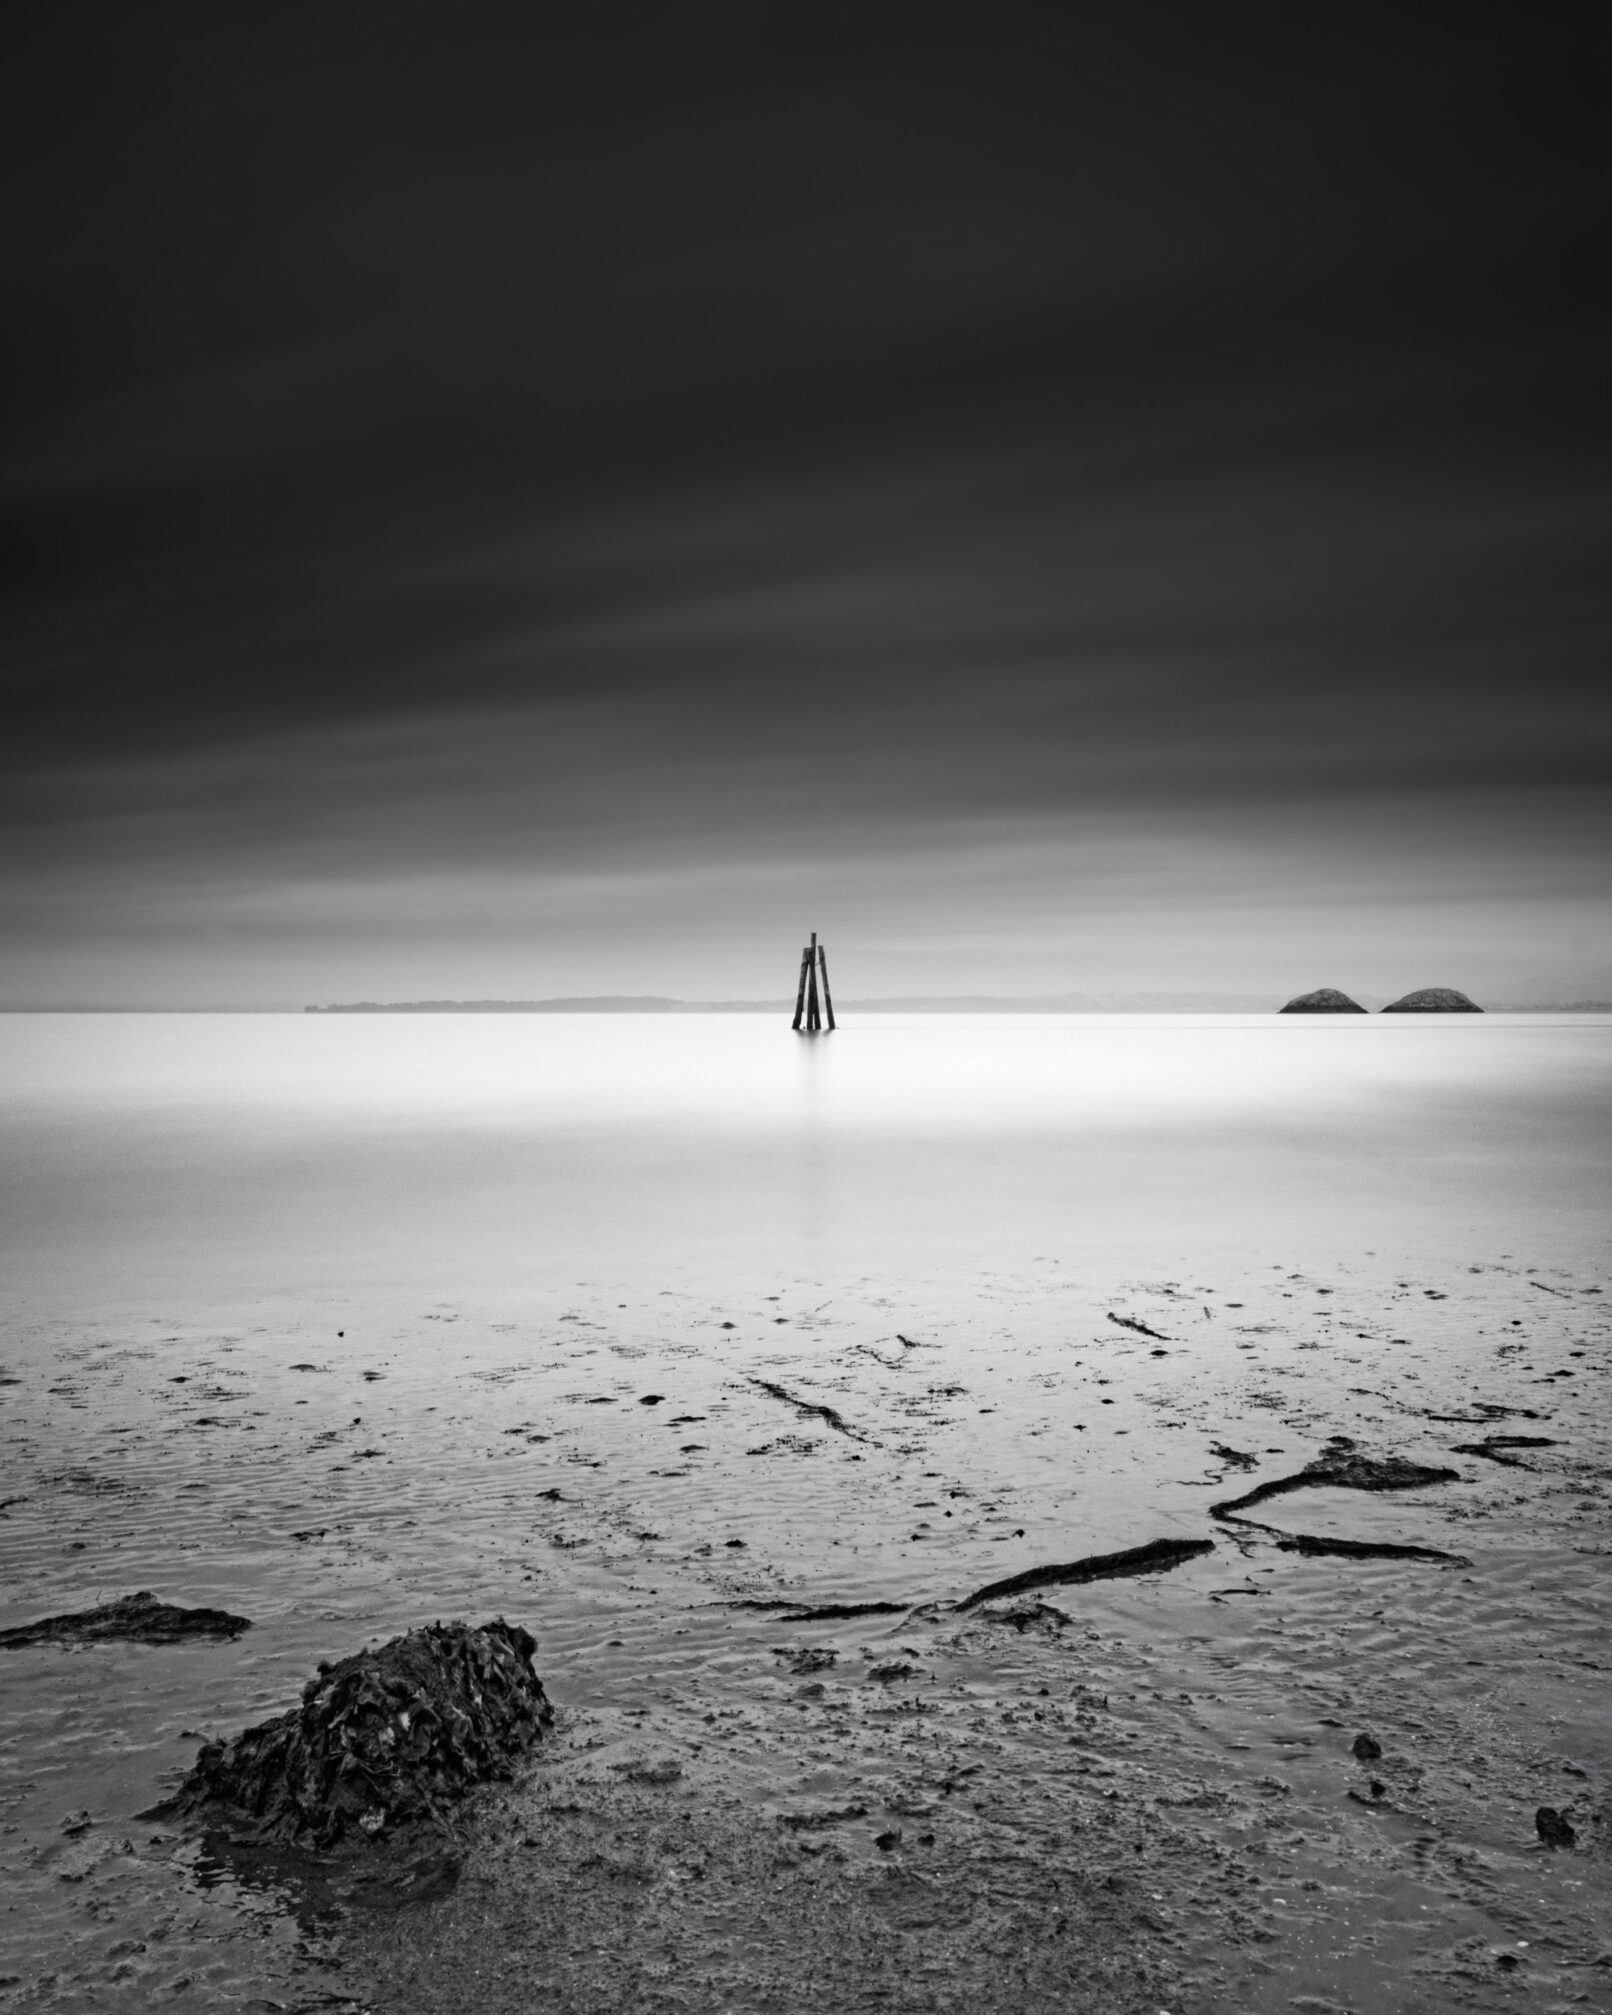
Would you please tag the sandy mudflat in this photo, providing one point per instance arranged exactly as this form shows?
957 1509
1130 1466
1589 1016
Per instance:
1121 1794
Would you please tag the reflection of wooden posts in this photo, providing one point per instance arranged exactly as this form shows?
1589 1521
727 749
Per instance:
812 960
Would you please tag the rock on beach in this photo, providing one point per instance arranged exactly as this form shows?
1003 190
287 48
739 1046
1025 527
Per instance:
384 1741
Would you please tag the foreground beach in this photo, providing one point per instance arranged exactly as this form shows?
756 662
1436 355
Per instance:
1126 1792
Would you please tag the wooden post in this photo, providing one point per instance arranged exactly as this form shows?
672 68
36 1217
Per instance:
800 992
810 1007
814 1020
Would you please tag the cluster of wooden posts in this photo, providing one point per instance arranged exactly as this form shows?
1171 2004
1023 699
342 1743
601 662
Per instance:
813 960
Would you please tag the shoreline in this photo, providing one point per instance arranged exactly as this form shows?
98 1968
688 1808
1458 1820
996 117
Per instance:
448 1464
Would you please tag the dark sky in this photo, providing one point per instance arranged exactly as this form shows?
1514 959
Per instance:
495 507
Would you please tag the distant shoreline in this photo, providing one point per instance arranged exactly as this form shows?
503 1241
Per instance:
903 1004
970 1004
964 1004
961 1004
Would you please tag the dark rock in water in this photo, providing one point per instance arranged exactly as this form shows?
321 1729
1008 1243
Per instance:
1433 1000
1366 1749
1325 1000
383 1743
132 1619
1552 1828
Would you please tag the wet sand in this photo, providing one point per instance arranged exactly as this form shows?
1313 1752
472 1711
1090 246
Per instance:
1122 1793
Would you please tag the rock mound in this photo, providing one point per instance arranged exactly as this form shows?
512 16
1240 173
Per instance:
384 1742
1325 1000
1433 1000
131 1619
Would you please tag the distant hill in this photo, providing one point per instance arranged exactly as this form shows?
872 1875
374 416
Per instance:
566 1004
1130 1003
1137 1003
1553 1007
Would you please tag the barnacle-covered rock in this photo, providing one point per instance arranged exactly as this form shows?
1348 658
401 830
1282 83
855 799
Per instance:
385 1741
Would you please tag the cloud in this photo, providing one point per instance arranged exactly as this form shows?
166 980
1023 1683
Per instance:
700 462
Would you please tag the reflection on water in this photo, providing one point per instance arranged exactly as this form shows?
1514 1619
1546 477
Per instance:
223 1152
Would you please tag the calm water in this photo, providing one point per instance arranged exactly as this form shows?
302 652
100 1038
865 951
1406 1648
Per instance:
312 1317
225 1154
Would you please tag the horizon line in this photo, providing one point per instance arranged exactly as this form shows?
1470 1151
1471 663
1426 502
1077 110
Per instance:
1139 1001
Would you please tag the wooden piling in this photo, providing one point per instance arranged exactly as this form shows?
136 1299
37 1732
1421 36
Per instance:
800 991
810 1005
814 1019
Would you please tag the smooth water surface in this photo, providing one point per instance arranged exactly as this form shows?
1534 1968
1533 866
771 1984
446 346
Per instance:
230 1153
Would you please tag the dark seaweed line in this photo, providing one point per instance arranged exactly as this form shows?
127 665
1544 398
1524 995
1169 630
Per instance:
828 1612
1367 1549
1156 1557
132 1619
1346 1471
1353 1549
1343 1474
835 1419
1492 1448
799 1612
1487 1412
1484 1417
1141 1328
